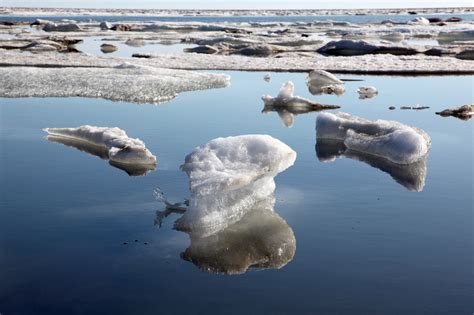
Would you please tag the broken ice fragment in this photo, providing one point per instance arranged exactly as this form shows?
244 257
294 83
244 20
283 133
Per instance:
286 98
227 177
392 140
107 143
464 112
367 92
322 82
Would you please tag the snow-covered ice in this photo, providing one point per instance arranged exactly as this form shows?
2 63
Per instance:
261 239
392 140
228 176
323 82
124 82
412 176
121 149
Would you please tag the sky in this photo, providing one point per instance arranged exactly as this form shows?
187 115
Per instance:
236 4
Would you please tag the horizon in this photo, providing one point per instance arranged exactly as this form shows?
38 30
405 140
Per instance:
242 5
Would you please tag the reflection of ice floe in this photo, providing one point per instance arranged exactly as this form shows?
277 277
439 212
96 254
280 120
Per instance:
366 92
261 239
227 177
138 84
412 176
286 98
113 144
391 140
322 82
464 112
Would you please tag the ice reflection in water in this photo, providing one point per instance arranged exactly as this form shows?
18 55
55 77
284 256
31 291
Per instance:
411 176
102 152
287 113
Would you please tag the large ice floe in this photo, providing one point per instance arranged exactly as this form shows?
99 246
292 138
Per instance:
411 176
228 177
111 144
396 142
125 82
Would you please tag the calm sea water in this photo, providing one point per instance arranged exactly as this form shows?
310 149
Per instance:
239 19
365 244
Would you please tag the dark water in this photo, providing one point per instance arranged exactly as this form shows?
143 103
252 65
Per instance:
365 244
239 19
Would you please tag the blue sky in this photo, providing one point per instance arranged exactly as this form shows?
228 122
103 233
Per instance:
237 4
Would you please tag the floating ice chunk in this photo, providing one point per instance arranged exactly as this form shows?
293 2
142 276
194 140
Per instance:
260 240
267 77
286 98
392 140
464 112
120 148
367 92
420 21
322 82
227 176
126 82
108 48
411 176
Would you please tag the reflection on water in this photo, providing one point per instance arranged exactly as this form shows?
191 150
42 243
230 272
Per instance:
412 176
102 152
287 113
260 240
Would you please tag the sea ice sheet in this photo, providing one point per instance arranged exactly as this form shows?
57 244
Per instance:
126 82
392 140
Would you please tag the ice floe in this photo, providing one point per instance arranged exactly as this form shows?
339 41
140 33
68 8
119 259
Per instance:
366 92
125 82
323 82
107 143
285 98
228 177
412 176
396 142
464 112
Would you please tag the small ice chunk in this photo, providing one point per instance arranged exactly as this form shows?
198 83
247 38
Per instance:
322 82
392 140
267 77
227 176
366 92
286 98
420 21
120 148
464 112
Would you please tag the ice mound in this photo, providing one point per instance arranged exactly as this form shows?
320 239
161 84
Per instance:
322 82
411 176
391 140
367 92
112 142
228 176
286 98
261 239
127 82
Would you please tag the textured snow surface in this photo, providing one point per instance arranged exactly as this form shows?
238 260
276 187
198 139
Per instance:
125 82
120 148
228 176
261 239
392 140
412 176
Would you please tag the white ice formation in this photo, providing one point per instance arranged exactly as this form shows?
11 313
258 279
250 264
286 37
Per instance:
125 82
323 82
120 148
391 140
228 177
285 98
367 92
